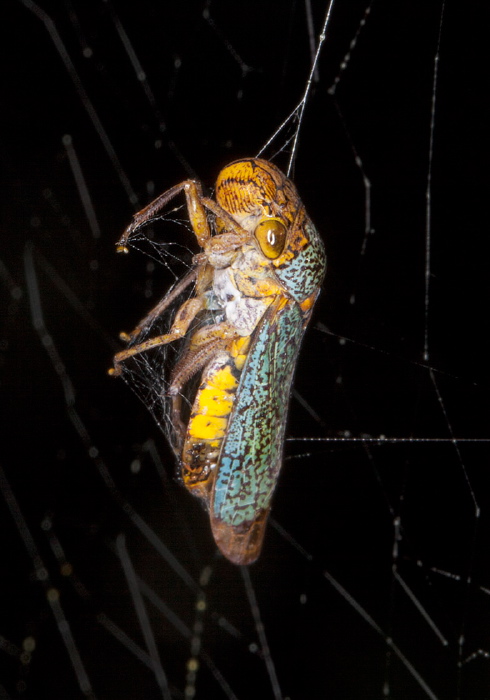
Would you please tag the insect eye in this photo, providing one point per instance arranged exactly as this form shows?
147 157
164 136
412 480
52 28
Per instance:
271 236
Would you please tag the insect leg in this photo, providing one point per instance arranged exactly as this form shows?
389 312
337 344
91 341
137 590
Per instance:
205 343
192 362
230 223
162 305
197 215
184 317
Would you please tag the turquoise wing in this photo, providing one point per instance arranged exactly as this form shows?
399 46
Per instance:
251 454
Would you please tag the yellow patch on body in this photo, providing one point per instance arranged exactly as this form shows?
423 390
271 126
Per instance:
207 427
214 402
213 405
223 379
239 351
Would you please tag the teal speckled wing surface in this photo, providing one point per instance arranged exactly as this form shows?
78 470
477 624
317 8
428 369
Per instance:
251 453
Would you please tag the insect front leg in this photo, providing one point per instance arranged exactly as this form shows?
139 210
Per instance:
197 214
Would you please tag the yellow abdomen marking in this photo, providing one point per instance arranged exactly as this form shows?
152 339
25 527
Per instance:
223 379
214 402
239 351
207 427
213 405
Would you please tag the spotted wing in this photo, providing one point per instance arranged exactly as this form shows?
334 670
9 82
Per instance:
251 453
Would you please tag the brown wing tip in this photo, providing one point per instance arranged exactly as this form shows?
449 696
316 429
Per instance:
240 545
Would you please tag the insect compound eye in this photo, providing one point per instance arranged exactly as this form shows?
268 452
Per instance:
271 236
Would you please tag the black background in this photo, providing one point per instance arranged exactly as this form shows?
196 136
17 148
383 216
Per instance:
221 77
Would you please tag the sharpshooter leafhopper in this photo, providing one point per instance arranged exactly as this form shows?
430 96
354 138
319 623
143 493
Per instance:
255 284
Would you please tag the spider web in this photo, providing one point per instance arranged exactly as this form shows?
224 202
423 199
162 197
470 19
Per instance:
374 578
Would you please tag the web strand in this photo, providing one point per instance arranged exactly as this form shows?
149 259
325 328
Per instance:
374 576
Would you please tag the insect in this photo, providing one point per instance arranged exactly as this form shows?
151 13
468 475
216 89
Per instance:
255 285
